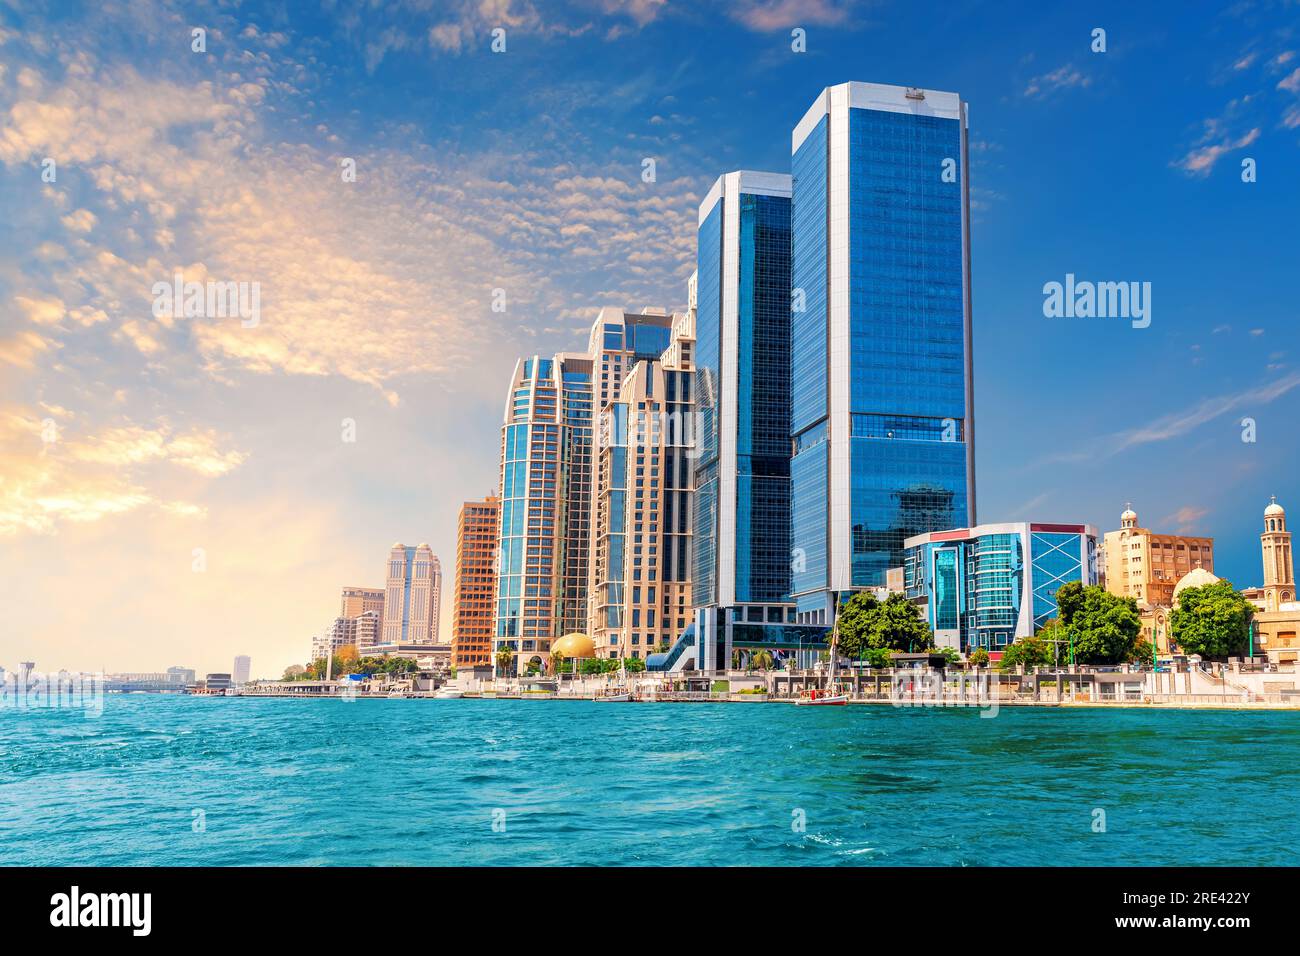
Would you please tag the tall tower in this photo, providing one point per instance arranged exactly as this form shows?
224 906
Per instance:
1279 572
476 548
742 375
413 587
881 382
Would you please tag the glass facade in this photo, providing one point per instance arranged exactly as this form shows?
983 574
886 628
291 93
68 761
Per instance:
708 385
904 387
757 479
999 585
763 401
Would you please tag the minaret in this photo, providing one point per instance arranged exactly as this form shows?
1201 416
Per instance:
1279 572
1129 519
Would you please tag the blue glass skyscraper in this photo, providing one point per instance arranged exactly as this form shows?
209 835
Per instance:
881 385
741 566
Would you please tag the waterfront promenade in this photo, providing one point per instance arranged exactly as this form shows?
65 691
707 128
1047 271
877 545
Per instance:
1212 686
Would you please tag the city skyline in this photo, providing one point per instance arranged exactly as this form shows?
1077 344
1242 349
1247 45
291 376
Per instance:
202 436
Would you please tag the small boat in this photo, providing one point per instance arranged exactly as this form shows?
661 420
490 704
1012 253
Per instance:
615 698
396 694
832 700
448 693
818 698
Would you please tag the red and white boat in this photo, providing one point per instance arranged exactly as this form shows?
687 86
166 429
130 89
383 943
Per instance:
825 698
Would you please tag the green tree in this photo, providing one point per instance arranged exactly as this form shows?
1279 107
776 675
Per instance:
1104 627
634 665
294 672
558 663
865 622
854 623
505 662
879 657
950 655
1142 653
978 657
1030 651
1213 620
761 660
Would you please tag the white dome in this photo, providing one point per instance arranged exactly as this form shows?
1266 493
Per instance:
1274 509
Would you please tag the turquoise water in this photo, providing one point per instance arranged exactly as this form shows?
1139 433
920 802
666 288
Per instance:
401 782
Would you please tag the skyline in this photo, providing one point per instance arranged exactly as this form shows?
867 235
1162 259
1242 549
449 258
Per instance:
191 433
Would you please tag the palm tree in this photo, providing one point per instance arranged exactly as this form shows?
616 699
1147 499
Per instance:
761 660
505 659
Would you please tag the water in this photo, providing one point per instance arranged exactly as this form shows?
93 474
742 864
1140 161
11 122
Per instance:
405 782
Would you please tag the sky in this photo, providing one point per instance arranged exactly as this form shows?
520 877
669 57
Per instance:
175 491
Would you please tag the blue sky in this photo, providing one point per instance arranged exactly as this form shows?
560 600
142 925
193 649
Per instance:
521 170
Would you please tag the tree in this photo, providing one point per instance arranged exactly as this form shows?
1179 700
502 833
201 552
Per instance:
978 657
1030 651
1213 621
294 672
854 623
558 662
1142 653
1103 627
634 665
879 657
950 655
865 622
505 661
761 660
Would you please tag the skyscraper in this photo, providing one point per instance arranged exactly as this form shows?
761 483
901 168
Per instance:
476 544
881 384
547 450
641 588
411 595
243 664
742 544
541 490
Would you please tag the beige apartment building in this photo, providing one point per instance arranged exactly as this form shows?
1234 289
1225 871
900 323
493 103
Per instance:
357 601
641 586
476 551
1147 567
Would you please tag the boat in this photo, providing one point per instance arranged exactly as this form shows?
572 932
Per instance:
825 698
831 700
448 693
615 698
396 694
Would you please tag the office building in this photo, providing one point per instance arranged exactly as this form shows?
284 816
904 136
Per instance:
742 559
476 550
243 664
881 378
412 595
987 586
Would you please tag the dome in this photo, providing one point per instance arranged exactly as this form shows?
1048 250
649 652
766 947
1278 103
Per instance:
575 645
1128 515
1274 509
1195 578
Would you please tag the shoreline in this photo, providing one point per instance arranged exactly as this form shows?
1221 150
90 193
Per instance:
901 704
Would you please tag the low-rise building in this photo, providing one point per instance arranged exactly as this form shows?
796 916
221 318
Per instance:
990 585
